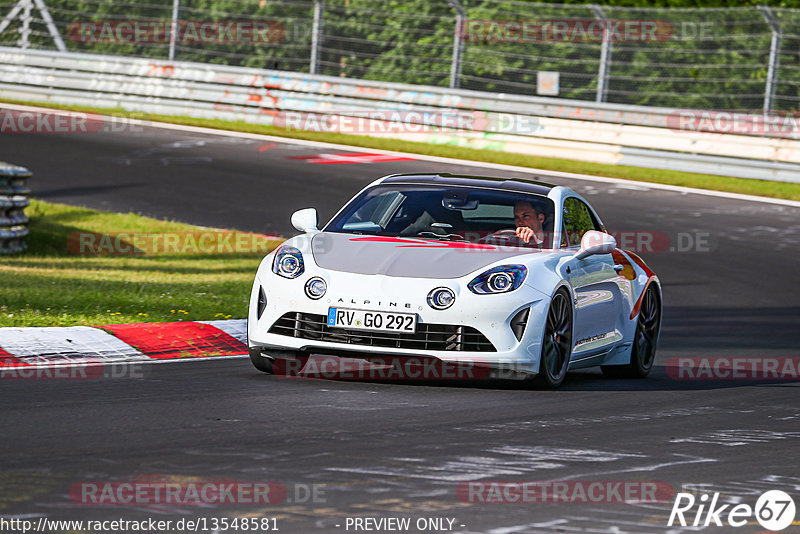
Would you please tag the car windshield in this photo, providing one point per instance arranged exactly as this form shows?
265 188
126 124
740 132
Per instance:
448 213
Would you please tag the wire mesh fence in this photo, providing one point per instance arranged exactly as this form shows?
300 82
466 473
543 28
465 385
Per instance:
709 58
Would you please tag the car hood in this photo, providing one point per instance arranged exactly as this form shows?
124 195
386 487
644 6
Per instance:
405 256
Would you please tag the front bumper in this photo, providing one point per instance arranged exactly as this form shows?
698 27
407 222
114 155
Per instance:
489 316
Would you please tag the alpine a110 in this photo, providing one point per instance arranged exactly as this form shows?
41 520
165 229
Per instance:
518 275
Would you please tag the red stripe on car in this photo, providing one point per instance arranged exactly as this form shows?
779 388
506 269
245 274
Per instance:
650 277
422 244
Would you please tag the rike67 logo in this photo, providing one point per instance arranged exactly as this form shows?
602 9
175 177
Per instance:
774 510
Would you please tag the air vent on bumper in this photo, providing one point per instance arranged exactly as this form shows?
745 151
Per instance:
262 302
427 337
519 322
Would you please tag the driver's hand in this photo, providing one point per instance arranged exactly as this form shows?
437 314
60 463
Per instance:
525 233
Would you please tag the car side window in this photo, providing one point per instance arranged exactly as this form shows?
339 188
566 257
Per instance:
578 219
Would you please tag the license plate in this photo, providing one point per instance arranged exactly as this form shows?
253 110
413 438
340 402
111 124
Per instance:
375 321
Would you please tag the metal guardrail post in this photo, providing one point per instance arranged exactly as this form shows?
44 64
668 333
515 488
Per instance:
316 36
25 31
458 43
774 58
605 55
173 29
13 201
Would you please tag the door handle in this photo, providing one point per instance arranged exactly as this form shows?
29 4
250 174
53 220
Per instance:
618 267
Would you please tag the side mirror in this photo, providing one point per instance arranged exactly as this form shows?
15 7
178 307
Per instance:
594 242
305 220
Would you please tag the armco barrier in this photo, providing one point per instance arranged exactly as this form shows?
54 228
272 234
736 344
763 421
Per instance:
603 133
13 201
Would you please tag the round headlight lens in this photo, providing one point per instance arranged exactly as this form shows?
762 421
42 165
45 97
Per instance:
316 288
289 265
441 298
288 262
497 280
500 281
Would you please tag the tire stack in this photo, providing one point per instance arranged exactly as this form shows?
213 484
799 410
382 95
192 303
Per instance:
13 201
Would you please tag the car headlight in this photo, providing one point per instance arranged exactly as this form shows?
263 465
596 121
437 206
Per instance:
441 298
501 279
316 288
288 262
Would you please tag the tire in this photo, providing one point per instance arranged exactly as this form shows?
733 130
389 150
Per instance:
643 352
557 342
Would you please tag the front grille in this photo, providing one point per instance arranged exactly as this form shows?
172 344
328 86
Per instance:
427 337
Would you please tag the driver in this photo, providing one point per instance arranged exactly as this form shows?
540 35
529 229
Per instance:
529 219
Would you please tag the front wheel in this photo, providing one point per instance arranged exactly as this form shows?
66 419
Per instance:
643 352
557 342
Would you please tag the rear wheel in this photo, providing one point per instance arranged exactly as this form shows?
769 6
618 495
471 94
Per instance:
643 352
557 342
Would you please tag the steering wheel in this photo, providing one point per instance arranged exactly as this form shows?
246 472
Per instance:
506 237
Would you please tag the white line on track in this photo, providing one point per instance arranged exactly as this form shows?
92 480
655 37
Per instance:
436 159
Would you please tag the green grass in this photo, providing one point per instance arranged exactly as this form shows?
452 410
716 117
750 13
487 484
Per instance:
50 286
767 188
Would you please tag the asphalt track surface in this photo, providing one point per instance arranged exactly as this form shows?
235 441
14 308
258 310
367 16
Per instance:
381 449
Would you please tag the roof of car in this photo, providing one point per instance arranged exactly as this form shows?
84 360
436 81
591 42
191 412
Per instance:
519 185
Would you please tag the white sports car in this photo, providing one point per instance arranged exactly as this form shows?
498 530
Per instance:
444 266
